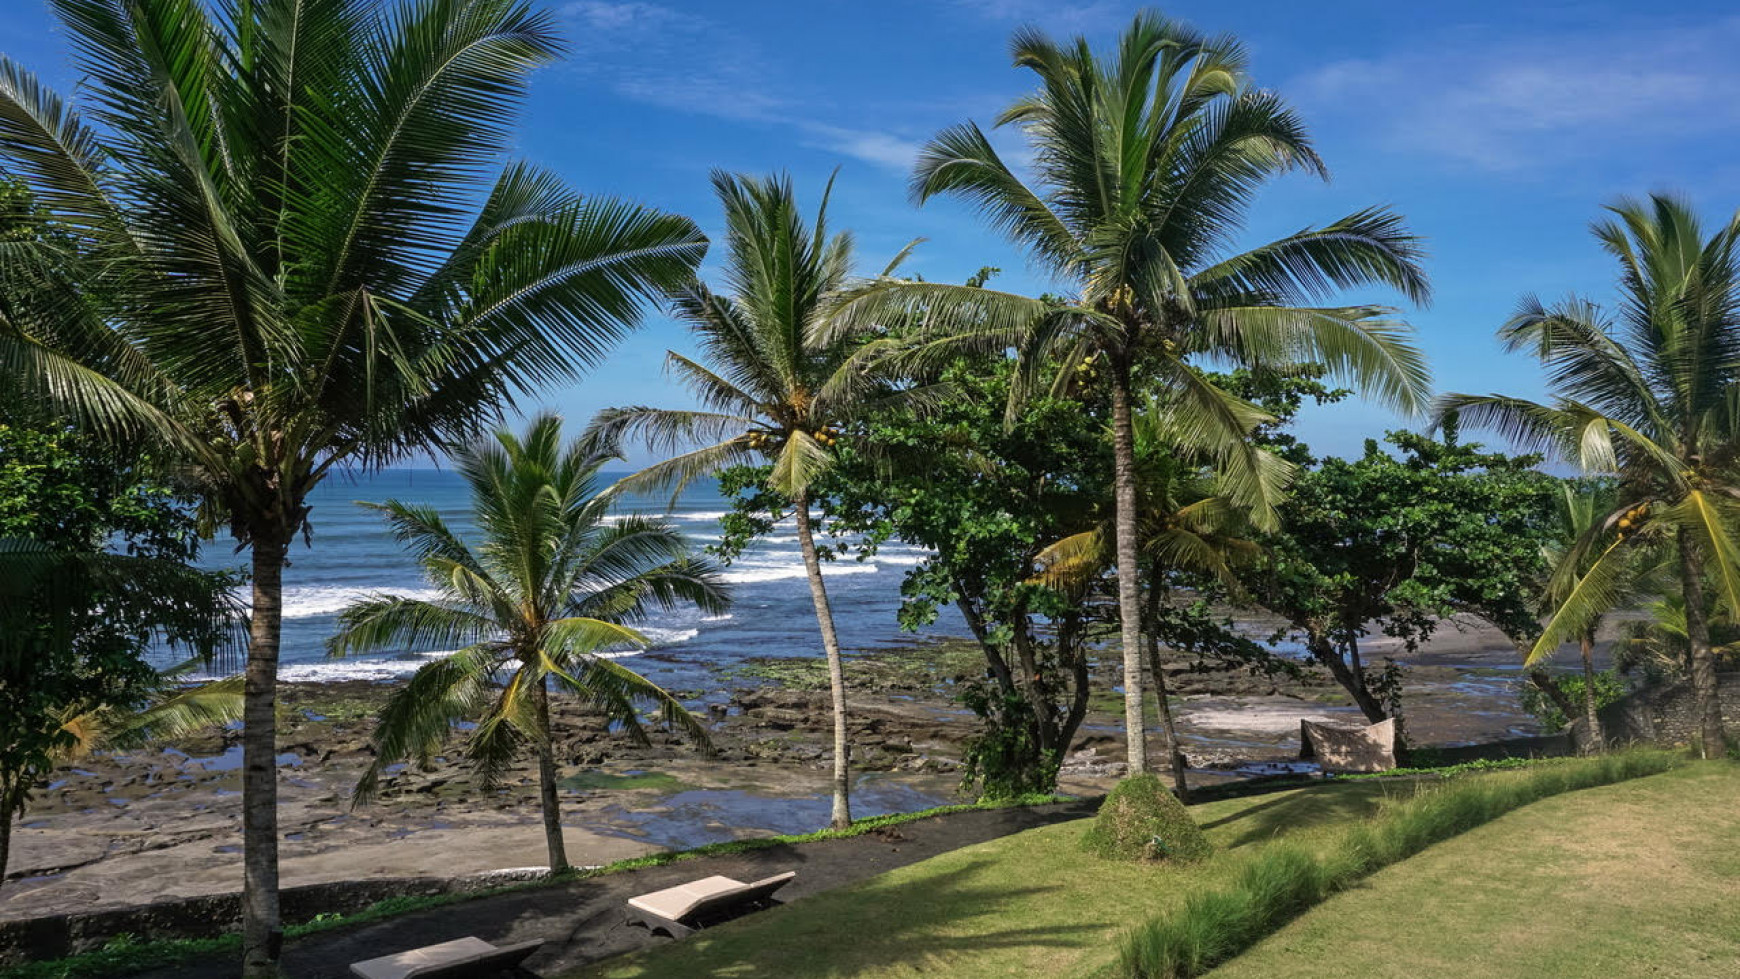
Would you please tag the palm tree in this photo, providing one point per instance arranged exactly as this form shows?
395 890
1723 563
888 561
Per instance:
1578 536
551 586
1646 395
1192 512
773 381
276 271
1145 162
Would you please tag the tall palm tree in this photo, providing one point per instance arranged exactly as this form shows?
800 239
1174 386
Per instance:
1145 161
1648 395
774 383
549 588
277 271
1193 509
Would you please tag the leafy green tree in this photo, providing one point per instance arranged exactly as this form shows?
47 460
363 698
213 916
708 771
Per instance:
1399 542
1145 162
1646 395
549 588
987 496
78 619
276 269
774 382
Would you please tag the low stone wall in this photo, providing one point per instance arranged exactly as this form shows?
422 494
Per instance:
1667 715
1543 746
61 935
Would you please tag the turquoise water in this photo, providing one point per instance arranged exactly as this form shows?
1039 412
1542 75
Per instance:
351 555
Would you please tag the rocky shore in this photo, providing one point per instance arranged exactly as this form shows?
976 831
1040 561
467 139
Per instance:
126 829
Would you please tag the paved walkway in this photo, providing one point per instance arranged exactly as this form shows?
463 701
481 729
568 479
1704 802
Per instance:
583 921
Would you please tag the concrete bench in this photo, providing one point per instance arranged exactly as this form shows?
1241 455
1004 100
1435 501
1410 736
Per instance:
680 910
462 958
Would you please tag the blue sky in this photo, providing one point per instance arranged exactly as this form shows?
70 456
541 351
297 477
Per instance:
1499 129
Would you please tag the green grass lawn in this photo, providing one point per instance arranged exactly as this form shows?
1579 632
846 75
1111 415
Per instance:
1026 905
1636 879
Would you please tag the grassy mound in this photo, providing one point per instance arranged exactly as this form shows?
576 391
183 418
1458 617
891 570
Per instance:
1142 820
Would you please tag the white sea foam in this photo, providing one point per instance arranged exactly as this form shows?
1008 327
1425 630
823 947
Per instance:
667 637
307 601
742 574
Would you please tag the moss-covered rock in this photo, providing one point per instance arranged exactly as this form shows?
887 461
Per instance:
1142 820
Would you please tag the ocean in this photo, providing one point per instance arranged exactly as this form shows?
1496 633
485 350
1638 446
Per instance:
351 555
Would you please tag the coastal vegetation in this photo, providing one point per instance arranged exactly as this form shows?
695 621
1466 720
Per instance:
775 380
548 592
1144 167
267 279
278 241
1643 394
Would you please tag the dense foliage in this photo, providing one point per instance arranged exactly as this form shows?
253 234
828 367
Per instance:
94 574
988 494
1397 542
1609 687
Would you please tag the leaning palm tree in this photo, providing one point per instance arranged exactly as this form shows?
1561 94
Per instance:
551 587
1194 505
1646 395
773 382
1145 162
272 267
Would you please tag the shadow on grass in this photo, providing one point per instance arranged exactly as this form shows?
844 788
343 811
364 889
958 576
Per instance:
916 924
1300 810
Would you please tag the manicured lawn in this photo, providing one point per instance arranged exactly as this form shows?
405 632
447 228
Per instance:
1033 904
1636 879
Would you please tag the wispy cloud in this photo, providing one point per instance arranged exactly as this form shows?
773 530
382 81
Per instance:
1537 103
690 63
1073 17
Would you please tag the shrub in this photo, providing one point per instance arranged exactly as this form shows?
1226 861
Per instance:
1609 688
1142 820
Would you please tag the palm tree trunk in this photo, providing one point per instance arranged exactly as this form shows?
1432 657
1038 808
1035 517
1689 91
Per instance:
1591 721
262 931
547 783
7 814
1713 740
1129 591
1173 750
842 816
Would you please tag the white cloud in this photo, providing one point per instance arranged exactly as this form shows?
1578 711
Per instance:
689 63
1534 104
880 148
1075 17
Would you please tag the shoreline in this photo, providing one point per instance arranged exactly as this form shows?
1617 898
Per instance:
126 829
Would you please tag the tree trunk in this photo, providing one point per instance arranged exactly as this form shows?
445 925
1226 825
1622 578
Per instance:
1591 720
1129 585
262 931
1546 683
547 783
1173 750
1323 651
1713 740
7 814
842 816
